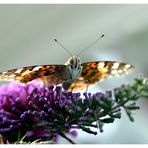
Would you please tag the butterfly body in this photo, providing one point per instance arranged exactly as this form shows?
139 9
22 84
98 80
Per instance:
75 67
75 70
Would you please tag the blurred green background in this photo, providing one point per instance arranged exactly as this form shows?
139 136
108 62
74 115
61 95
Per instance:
26 38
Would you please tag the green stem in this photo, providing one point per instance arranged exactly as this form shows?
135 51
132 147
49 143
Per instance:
120 104
68 139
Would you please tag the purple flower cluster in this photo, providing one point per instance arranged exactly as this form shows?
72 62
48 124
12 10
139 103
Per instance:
20 112
39 112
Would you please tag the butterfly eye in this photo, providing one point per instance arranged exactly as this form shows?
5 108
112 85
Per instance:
78 60
71 61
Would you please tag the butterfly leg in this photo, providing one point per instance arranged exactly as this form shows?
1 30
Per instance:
87 83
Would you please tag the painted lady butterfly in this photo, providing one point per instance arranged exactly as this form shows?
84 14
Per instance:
73 75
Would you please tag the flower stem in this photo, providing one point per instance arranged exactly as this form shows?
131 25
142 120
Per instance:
68 139
120 104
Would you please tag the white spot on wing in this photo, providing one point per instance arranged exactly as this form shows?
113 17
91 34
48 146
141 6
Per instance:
19 71
124 69
127 66
115 65
101 65
114 72
36 68
120 71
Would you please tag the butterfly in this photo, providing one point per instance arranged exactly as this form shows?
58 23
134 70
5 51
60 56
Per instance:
85 73
73 75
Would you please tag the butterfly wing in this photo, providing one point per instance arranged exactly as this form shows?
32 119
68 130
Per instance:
96 71
53 74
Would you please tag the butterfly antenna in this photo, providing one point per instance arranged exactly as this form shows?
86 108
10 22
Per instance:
63 47
90 45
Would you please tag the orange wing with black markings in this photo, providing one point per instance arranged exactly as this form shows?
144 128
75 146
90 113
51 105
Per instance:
96 71
53 74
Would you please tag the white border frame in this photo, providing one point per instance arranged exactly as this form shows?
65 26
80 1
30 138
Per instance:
73 2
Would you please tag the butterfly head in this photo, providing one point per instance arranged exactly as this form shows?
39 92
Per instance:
75 68
74 62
